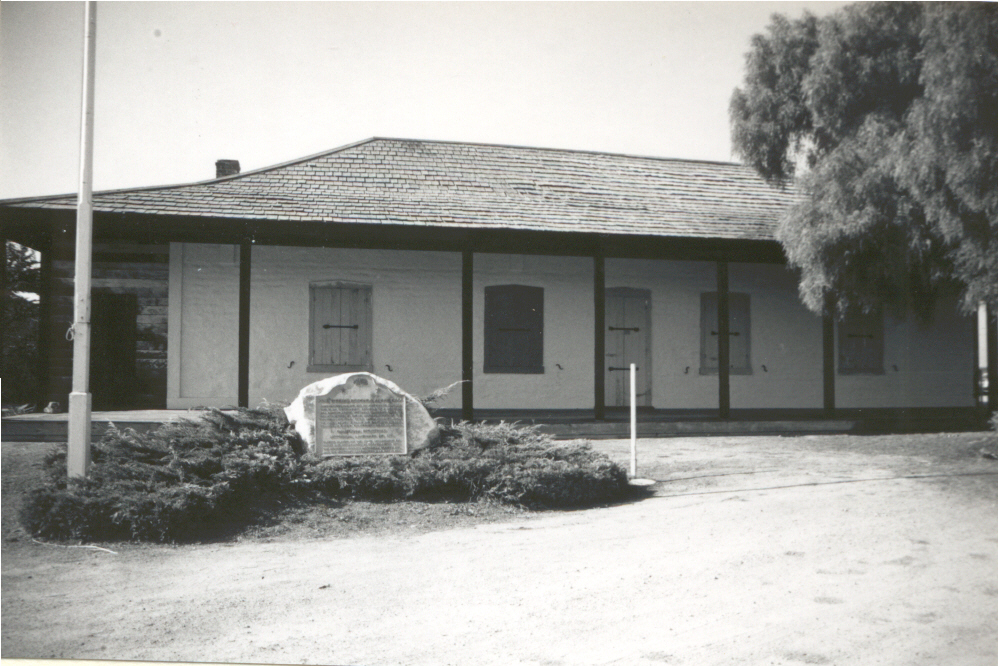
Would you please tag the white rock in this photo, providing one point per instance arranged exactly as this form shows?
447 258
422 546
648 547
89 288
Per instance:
421 429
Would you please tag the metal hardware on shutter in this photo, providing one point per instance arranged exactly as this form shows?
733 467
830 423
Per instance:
611 368
729 333
620 328
341 325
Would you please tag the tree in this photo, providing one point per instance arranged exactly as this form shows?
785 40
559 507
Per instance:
20 325
885 117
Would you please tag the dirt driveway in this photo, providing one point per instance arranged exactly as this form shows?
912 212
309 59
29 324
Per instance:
814 550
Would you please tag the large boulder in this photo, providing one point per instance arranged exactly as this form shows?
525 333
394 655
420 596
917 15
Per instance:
420 428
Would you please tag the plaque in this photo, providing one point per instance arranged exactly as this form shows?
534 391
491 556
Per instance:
349 427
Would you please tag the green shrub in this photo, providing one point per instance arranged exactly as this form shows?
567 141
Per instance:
174 483
500 462
190 479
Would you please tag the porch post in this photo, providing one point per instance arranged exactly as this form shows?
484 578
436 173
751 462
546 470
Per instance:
467 335
828 355
42 371
987 347
599 335
992 359
723 343
3 294
245 260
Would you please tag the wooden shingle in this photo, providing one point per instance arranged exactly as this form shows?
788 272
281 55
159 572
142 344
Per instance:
444 184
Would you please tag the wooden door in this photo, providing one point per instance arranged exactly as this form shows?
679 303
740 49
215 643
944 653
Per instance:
113 337
628 340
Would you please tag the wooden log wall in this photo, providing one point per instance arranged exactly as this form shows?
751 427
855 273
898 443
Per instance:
118 268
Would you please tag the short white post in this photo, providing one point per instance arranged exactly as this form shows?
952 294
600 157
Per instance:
982 356
634 423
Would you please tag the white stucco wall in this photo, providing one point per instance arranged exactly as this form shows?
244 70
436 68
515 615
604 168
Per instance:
924 366
568 333
786 342
675 288
417 331
203 331
416 305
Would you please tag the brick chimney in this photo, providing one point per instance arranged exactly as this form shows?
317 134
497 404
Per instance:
225 168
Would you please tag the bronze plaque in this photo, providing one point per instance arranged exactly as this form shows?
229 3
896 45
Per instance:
359 427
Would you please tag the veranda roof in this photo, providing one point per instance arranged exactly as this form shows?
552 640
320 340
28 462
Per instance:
466 185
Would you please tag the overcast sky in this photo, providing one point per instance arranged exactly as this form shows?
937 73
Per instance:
180 85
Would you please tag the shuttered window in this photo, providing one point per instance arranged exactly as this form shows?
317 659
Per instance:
339 327
861 344
739 334
514 329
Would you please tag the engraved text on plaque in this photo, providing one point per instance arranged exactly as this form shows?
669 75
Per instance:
360 427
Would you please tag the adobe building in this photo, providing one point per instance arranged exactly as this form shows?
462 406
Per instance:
536 276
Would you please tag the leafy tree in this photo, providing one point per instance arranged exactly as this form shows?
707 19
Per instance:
885 116
20 326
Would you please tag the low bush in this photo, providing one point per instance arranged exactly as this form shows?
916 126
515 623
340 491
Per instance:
171 484
188 479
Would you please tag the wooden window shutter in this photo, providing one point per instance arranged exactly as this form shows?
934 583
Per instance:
739 334
340 332
514 329
861 344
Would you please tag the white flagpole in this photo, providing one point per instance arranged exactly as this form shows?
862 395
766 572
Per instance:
78 458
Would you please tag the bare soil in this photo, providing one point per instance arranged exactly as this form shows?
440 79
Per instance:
754 550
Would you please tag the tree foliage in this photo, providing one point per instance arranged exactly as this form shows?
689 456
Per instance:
885 116
19 349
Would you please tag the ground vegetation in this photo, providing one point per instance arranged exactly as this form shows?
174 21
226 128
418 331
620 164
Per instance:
198 479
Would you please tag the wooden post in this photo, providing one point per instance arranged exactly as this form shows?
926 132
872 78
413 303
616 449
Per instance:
467 335
992 359
42 369
828 356
245 264
599 336
984 373
3 296
723 343
78 456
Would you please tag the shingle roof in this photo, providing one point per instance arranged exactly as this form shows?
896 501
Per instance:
431 183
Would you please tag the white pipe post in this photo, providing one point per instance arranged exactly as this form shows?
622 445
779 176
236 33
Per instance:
982 356
634 423
78 457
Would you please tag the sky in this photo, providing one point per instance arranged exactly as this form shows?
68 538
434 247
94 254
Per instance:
180 85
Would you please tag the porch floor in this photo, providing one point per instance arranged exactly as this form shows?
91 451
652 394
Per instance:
580 424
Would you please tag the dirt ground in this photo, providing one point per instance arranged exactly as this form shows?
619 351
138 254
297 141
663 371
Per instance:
761 550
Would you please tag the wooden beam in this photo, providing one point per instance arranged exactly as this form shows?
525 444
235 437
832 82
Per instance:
828 356
245 261
723 343
467 335
599 336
